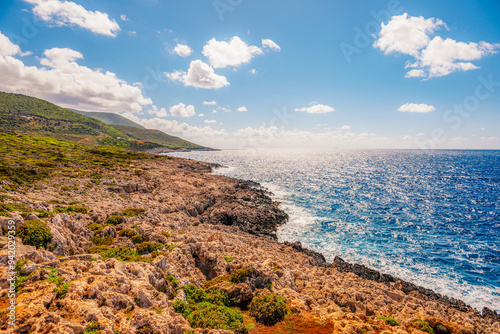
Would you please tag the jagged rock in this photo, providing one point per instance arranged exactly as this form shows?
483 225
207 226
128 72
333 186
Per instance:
109 231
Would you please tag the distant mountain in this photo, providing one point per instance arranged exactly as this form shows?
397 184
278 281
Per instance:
25 115
158 137
109 118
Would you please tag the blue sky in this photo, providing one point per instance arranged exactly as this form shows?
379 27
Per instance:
322 74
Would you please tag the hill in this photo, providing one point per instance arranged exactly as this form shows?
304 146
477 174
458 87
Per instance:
109 118
158 137
25 115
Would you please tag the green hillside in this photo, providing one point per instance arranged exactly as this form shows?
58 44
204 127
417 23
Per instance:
109 118
20 114
156 136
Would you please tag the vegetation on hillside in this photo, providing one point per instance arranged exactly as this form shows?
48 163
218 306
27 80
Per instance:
20 114
157 137
26 160
108 118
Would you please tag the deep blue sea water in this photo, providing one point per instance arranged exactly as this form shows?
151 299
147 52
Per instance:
432 218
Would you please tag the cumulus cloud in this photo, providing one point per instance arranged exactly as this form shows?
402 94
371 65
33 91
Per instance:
181 110
199 75
60 79
253 71
242 109
7 48
67 13
316 109
344 127
267 43
233 53
183 130
442 57
434 57
209 103
406 34
182 50
414 107
210 121
158 112
124 17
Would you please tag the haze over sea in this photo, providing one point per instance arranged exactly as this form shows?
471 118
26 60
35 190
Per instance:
431 218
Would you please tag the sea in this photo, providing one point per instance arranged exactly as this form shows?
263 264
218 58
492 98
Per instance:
428 217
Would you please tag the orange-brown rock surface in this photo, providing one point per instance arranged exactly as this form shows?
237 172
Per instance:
210 226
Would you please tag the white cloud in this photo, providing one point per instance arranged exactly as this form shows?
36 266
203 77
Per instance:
210 121
181 110
233 53
418 108
182 50
442 57
253 71
267 43
273 136
317 109
67 13
199 75
406 34
62 80
415 74
434 57
201 115
183 130
344 127
7 48
209 103
158 112
123 17
242 109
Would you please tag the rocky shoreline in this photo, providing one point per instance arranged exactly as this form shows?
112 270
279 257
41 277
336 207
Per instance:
126 244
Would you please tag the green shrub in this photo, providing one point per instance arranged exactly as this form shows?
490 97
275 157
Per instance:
181 307
70 209
114 219
96 228
173 281
268 309
124 254
132 212
196 295
388 320
137 239
34 233
241 275
127 233
62 290
228 259
148 247
98 241
217 317
92 328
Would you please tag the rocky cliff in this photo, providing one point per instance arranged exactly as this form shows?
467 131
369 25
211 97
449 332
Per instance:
146 246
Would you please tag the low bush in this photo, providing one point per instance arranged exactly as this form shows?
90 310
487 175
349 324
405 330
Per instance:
34 233
137 239
62 290
96 228
241 275
148 247
217 317
127 233
114 219
388 320
132 212
268 309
